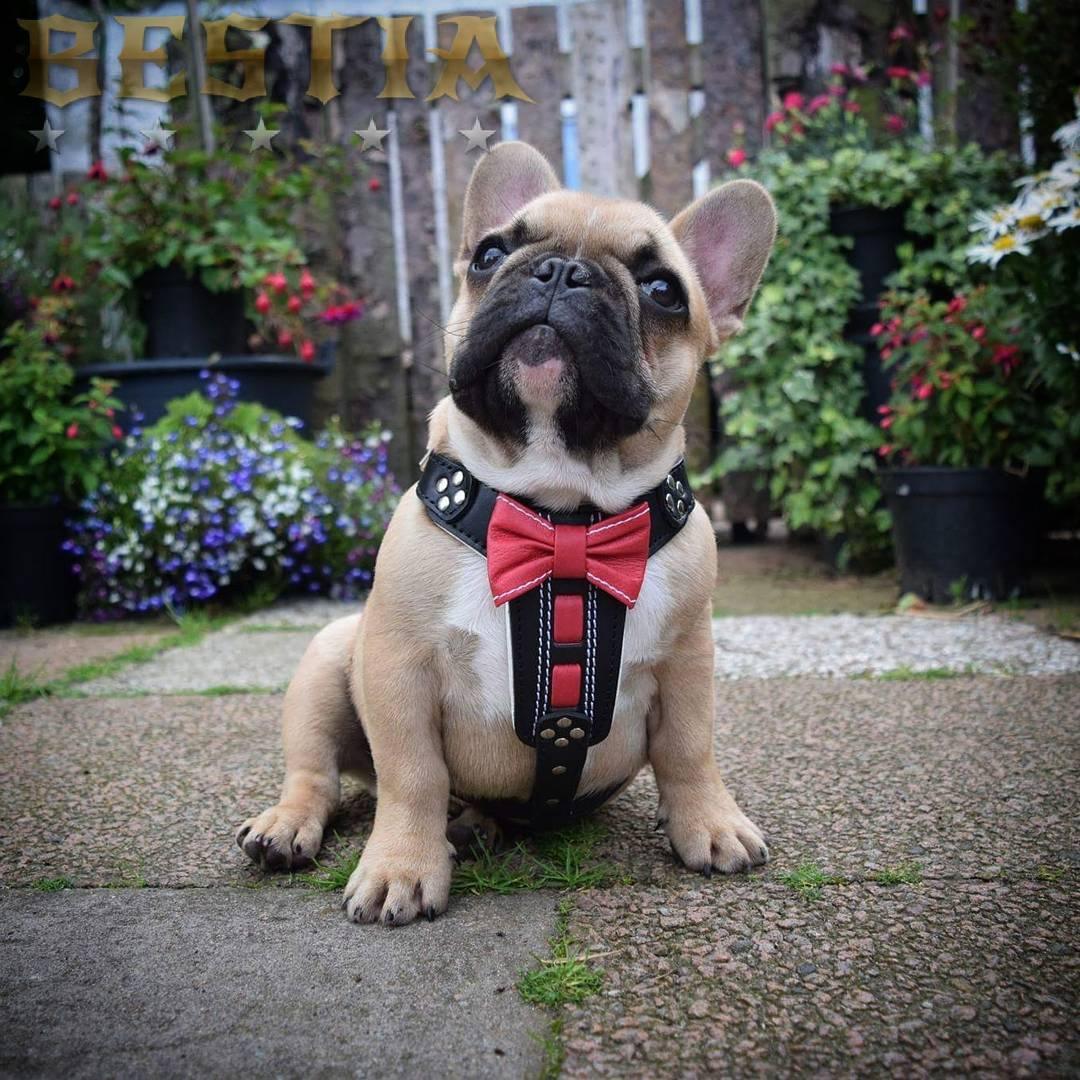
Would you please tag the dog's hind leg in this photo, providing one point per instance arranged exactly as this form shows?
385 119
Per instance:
323 738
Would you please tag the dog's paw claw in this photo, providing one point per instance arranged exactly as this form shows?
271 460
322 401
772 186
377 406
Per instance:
397 888
721 841
281 838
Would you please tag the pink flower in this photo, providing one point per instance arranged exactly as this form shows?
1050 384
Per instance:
884 451
979 332
819 102
736 157
294 304
285 339
957 304
117 433
793 100
73 198
924 391
773 119
898 72
55 202
277 282
923 78
920 333
72 431
900 33
885 423
97 171
262 303
852 107
374 184
307 351
894 123
307 283
839 69
837 89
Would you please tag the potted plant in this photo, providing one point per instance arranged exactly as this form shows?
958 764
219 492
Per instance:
51 455
190 240
802 405
964 426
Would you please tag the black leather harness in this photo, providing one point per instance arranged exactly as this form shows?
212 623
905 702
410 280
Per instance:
462 506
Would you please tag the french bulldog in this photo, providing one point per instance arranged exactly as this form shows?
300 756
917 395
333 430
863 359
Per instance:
572 352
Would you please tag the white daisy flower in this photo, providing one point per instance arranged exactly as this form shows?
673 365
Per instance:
993 253
994 222
1067 219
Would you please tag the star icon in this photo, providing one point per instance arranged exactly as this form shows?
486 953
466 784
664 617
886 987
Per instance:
372 137
260 137
476 137
47 136
157 138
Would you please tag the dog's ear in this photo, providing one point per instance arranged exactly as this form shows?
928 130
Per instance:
504 180
727 235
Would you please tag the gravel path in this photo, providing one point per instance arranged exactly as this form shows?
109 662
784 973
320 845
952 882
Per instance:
765 646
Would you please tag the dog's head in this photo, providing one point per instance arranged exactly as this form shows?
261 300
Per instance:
588 318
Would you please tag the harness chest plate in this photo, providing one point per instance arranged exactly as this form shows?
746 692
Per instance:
566 616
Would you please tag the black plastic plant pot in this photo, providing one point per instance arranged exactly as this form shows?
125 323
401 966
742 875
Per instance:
960 533
36 582
281 383
876 236
185 319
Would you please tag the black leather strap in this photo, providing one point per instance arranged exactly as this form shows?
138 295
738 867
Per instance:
462 506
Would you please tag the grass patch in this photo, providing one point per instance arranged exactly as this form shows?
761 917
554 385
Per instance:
1050 873
16 688
555 860
54 884
908 674
332 877
808 879
554 1052
904 874
563 978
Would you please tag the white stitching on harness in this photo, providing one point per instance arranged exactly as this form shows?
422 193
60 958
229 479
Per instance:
611 588
522 588
596 529
528 513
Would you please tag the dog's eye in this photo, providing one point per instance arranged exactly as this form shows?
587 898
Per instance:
664 292
488 255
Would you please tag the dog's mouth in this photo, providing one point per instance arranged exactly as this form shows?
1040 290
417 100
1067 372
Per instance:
538 362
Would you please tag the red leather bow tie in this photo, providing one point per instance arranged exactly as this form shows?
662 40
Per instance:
524 550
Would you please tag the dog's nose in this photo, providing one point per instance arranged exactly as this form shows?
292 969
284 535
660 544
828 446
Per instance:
566 273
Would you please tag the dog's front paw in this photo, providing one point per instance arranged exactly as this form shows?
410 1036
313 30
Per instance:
281 838
396 884
711 838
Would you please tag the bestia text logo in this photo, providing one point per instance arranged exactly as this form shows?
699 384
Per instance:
80 57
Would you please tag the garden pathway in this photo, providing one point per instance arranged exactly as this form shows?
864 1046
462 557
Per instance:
917 778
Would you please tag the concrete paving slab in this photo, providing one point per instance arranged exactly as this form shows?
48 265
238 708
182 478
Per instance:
772 646
107 791
752 979
965 776
44 654
234 982
302 613
257 661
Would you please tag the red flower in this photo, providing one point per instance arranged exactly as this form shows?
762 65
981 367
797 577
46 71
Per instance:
307 351
374 184
277 282
839 69
72 431
307 283
55 202
117 432
63 283
294 304
957 304
924 391
262 303
1008 356
837 90
818 102
894 123
898 72
852 107
285 339
793 100
97 171
884 410
73 198
886 353
884 451
979 332
736 157
885 422
877 329
773 119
